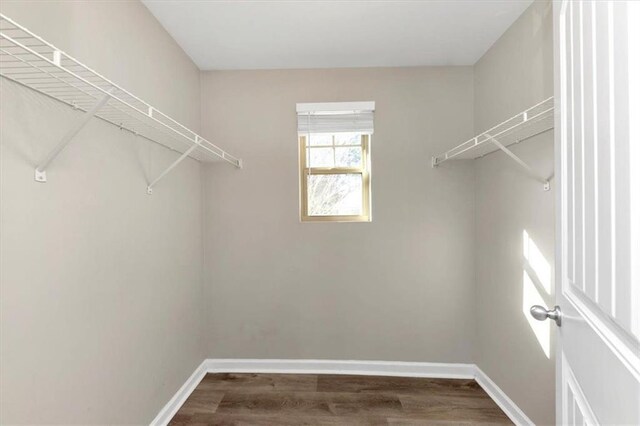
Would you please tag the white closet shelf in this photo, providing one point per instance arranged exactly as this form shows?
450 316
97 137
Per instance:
33 62
522 126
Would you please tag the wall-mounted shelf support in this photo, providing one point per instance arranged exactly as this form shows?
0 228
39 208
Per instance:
41 173
173 165
532 173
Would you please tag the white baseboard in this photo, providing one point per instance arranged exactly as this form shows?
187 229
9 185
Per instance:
369 368
510 408
168 411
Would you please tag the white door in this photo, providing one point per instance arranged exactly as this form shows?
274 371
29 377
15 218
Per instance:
597 70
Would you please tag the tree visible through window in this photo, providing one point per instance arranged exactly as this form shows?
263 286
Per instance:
334 174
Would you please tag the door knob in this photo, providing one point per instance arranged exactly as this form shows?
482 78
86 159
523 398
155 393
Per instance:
541 314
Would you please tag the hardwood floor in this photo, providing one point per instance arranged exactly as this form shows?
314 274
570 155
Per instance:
298 399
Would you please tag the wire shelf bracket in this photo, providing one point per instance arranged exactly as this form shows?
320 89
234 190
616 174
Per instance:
525 125
32 62
40 172
544 181
172 166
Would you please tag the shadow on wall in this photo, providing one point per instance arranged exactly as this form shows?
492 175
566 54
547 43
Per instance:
536 289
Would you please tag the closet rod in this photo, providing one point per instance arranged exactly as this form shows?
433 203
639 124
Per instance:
522 139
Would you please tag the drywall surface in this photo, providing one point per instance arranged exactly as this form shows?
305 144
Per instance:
100 282
398 288
511 209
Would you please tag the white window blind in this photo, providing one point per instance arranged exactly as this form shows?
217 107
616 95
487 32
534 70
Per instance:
335 117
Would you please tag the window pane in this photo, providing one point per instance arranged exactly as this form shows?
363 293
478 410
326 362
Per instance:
330 195
348 139
349 157
320 139
321 157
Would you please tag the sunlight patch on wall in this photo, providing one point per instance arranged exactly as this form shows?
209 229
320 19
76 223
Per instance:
531 296
536 261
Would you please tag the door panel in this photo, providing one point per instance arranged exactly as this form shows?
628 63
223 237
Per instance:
598 157
578 410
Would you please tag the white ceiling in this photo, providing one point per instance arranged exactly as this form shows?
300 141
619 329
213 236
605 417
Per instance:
266 34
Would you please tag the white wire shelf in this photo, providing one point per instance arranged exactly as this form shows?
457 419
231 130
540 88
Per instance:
33 62
520 127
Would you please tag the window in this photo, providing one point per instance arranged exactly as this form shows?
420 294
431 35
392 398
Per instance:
334 164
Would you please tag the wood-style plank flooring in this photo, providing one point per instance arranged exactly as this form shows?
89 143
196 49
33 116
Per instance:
308 399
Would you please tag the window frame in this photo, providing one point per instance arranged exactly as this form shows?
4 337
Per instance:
364 171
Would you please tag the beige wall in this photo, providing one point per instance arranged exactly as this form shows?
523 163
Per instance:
398 288
103 312
517 72
100 283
